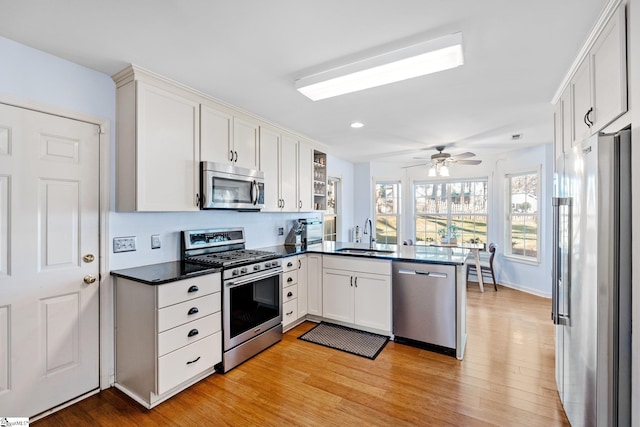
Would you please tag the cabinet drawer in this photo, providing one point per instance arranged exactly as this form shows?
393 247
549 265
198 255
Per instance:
180 336
289 293
290 278
177 314
187 362
290 264
183 290
289 312
357 264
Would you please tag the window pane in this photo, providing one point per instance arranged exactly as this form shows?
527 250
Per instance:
428 227
387 198
524 235
471 228
331 197
387 229
431 198
330 228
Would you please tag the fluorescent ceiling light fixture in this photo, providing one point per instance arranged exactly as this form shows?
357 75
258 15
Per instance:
357 125
405 63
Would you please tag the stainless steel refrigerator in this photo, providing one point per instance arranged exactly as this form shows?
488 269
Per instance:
591 304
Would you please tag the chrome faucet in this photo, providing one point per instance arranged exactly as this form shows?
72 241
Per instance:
371 239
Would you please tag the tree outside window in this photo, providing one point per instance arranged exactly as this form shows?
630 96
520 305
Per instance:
523 216
387 211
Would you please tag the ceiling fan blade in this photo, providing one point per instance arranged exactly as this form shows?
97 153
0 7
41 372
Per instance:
414 166
462 156
423 158
468 162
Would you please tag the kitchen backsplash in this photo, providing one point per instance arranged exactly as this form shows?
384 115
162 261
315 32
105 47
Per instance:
261 229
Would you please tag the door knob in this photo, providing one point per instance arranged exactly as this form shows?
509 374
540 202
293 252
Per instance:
89 279
88 258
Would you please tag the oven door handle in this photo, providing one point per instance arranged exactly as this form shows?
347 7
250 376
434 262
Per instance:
252 279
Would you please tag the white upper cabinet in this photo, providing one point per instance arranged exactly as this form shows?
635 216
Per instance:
157 154
305 177
599 85
245 143
609 72
228 138
270 165
279 162
216 135
289 173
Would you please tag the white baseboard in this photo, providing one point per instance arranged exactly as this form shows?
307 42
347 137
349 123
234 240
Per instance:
536 292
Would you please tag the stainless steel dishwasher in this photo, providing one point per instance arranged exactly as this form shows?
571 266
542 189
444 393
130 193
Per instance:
424 305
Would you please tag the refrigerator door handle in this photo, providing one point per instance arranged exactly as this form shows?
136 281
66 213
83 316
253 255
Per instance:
558 255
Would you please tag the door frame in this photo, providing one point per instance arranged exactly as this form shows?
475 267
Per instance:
105 314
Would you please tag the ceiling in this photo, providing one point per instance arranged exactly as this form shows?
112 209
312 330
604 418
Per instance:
249 53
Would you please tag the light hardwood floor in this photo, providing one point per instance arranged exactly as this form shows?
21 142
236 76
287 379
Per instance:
506 378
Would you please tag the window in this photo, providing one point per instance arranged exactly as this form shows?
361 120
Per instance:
387 212
522 215
331 214
443 204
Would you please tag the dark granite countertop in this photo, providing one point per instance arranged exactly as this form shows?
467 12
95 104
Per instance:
166 272
422 254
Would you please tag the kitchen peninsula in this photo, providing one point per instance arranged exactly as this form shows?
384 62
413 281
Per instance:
323 266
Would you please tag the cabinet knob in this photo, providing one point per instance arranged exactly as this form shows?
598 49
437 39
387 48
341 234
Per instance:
290 294
192 289
193 310
289 264
289 279
193 333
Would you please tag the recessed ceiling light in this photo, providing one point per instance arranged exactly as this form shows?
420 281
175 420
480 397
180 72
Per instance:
356 125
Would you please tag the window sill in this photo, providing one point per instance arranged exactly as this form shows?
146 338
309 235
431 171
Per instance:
522 260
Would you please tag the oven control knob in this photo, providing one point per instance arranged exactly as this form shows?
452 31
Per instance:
256 267
243 270
275 263
267 264
234 272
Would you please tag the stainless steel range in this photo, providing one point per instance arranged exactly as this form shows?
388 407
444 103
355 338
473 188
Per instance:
251 290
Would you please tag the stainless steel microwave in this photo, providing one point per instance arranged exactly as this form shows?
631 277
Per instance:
229 187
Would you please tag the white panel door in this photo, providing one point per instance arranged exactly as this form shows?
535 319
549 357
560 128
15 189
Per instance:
49 211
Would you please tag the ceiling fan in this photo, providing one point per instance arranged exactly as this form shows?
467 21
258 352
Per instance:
440 161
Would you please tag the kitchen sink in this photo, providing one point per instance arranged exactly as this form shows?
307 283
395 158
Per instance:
363 251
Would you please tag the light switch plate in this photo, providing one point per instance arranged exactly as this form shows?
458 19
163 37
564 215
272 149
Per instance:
124 244
155 241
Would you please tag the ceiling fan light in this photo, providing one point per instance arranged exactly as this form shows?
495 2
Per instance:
444 171
432 171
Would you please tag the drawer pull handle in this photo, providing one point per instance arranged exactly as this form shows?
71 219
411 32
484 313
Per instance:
193 288
192 310
290 279
192 333
290 313
289 264
193 361
290 294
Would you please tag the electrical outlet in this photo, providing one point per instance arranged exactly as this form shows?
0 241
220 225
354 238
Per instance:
124 244
280 231
155 241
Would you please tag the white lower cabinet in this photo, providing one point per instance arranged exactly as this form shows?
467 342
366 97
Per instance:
294 290
357 291
314 284
168 336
